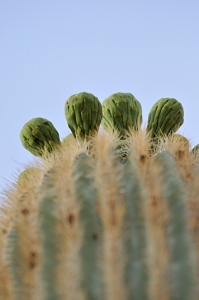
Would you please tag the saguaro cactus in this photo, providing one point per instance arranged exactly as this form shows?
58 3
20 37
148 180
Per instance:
83 113
39 136
84 226
121 111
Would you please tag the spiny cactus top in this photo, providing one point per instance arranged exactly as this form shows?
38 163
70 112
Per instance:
39 136
83 113
121 111
165 117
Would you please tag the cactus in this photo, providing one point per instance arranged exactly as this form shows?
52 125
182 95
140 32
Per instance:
39 136
121 112
165 117
93 228
81 225
83 113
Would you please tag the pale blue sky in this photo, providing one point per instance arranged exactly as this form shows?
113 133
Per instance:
53 49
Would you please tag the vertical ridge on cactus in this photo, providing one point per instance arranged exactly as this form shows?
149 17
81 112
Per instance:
111 211
182 269
15 262
85 193
136 269
22 255
50 240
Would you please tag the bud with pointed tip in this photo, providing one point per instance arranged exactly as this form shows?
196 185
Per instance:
39 136
68 140
83 113
121 111
165 117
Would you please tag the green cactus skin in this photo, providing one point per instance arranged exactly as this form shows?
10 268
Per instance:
165 117
39 136
20 267
85 193
121 112
13 252
83 113
183 268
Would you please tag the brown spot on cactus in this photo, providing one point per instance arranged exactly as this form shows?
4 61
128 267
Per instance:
71 219
143 158
121 112
25 211
95 236
83 113
39 136
33 260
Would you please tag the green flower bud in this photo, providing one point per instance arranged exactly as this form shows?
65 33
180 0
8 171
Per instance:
121 111
83 113
178 138
39 136
195 149
68 139
180 144
165 117
28 174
